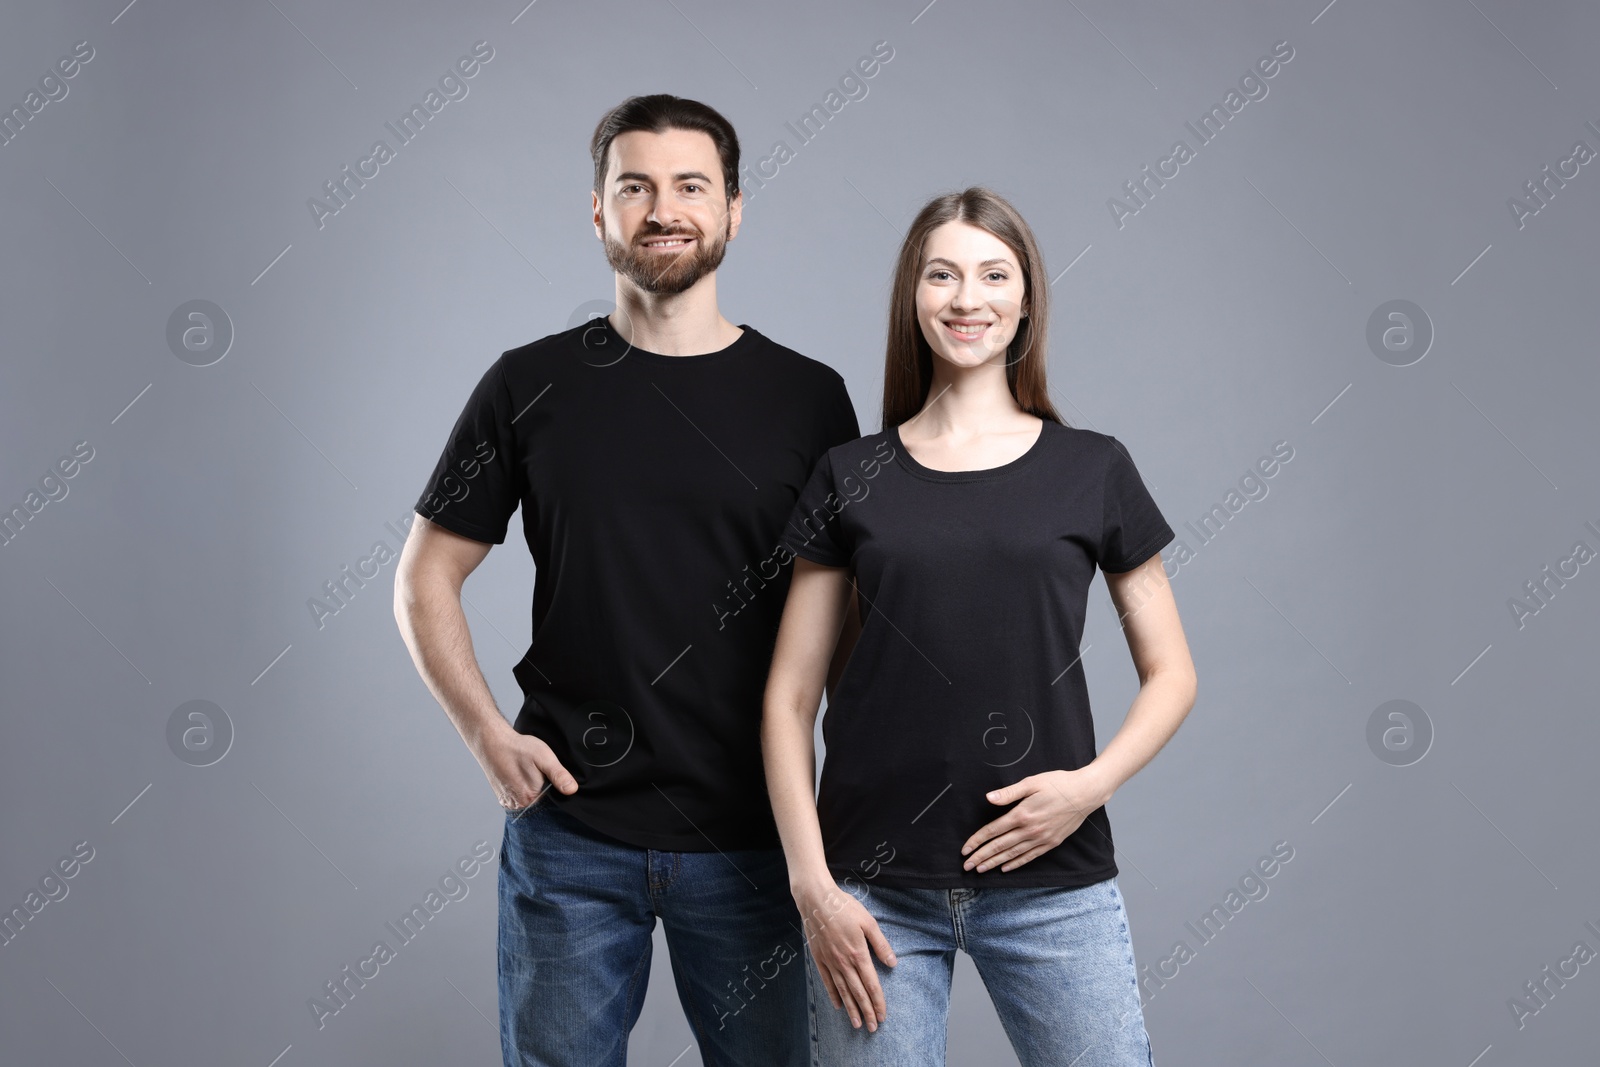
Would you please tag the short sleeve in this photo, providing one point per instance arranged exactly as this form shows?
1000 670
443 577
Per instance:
473 490
814 530
841 425
1133 528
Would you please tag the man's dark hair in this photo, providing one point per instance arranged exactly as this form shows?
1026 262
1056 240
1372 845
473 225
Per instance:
657 113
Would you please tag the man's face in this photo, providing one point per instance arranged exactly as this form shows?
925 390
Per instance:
664 216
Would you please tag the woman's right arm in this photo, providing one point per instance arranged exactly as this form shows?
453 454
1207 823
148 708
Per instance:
841 932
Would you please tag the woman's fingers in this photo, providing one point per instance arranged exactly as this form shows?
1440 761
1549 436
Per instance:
829 985
879 943
875 1006
1027 857
996 846
860 1001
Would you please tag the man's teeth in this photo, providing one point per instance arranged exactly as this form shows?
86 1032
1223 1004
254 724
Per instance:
668 242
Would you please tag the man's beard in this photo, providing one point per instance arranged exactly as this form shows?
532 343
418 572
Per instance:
665 272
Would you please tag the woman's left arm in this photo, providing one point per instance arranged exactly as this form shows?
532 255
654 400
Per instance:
1167 682
1055 803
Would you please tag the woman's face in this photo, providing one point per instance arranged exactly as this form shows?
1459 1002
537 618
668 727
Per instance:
970 296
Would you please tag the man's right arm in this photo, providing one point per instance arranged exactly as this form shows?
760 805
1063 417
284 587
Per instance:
433 565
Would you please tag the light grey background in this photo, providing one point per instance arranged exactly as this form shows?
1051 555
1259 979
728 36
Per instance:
1230 313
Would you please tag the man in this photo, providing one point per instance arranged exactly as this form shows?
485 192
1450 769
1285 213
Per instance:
656 455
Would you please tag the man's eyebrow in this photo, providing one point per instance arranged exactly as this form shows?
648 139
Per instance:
985 263
683 175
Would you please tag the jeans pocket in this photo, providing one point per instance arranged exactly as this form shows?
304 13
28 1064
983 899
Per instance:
517 813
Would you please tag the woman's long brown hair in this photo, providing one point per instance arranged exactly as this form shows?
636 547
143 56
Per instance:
908 359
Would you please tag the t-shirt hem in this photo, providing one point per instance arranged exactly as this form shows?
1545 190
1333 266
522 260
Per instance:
630 835
1018 879
463 527
814 556
1144 552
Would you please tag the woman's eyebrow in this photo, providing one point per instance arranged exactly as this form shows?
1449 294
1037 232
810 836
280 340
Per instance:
985 263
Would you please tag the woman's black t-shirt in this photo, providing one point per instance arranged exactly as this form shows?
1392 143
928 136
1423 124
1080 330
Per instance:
967 674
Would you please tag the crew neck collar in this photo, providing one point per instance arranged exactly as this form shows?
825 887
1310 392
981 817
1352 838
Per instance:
909 462
613 349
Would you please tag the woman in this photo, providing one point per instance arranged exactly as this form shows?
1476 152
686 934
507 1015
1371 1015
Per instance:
961 804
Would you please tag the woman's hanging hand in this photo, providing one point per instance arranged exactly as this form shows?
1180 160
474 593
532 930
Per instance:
844 937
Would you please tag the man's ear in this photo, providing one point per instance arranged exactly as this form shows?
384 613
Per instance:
594 207
735 213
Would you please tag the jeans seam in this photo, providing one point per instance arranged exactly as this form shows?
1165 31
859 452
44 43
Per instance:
699 1027
1138 998
666 860
812 1009
633 983
1127 940
957 927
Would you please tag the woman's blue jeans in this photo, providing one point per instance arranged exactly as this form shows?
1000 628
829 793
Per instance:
578 911
1058 965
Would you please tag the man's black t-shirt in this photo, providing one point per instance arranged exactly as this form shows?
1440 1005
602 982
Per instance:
653 489
967 675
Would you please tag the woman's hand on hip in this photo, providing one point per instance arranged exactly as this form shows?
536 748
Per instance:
1050 806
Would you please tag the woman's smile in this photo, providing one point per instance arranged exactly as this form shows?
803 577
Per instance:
966 330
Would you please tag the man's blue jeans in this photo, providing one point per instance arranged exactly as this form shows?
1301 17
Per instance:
577 913
1058 965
